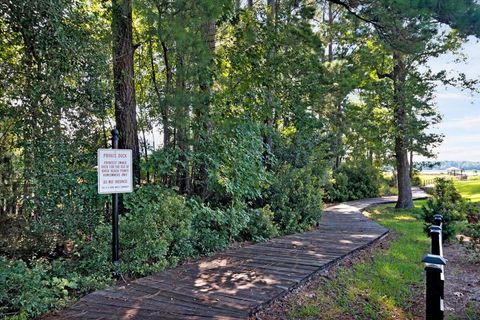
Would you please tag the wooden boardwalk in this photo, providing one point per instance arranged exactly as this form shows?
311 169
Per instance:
235 283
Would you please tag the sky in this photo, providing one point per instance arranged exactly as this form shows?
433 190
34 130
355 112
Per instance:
460 110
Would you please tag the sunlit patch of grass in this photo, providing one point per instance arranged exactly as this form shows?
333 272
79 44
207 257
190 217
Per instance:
404 217
380 288
469 189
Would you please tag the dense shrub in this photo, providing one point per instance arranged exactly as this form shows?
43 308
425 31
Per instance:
154 233
28 291
260 226
296 199
160 229
236 168
448 202
354 181
416 180
472 211
213 229
472 230
171 219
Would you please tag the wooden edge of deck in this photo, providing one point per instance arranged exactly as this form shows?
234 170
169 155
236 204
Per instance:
315 274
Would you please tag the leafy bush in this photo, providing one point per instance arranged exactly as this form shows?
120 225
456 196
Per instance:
213 229
473 231
296 199
416 180
260 226
354 181
448 202
65 205
28 291
472 211
237 172
154 233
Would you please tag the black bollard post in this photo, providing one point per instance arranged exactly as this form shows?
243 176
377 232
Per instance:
437 219
115 245
436 235
434 269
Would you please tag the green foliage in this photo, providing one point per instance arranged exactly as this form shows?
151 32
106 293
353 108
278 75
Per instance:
50 108
261 225
30 290
354 181
448 202
416 180
214 229
251 124
472 212
166 215
155 232
473 231
237 172
296 199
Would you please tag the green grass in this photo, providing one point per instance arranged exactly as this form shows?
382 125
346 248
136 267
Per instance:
380 288
387 286
430 177
469 189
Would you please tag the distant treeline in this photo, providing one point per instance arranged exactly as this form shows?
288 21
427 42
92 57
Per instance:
443 165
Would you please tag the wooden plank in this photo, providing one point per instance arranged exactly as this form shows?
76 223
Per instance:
230 284
133 296
271 258
187 289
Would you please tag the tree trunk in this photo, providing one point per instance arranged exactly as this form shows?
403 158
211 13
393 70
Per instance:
145 150
400 120
164 109
411 164
338 107
123 81
181 129
202 113
330 23
267 139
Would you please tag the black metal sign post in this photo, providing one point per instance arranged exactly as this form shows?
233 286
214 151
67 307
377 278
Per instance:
115 245
115 175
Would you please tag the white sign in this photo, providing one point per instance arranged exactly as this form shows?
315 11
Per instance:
115 173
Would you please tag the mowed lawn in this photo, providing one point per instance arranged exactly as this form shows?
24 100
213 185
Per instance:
469 189
385 287
388 285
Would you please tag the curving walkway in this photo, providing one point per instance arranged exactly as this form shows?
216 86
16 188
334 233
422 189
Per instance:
235 283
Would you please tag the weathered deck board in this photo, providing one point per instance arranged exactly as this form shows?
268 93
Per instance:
234 283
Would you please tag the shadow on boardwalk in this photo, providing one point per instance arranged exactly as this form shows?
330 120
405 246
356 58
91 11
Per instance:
235 283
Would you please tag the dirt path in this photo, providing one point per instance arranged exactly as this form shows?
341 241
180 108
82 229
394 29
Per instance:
462 283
